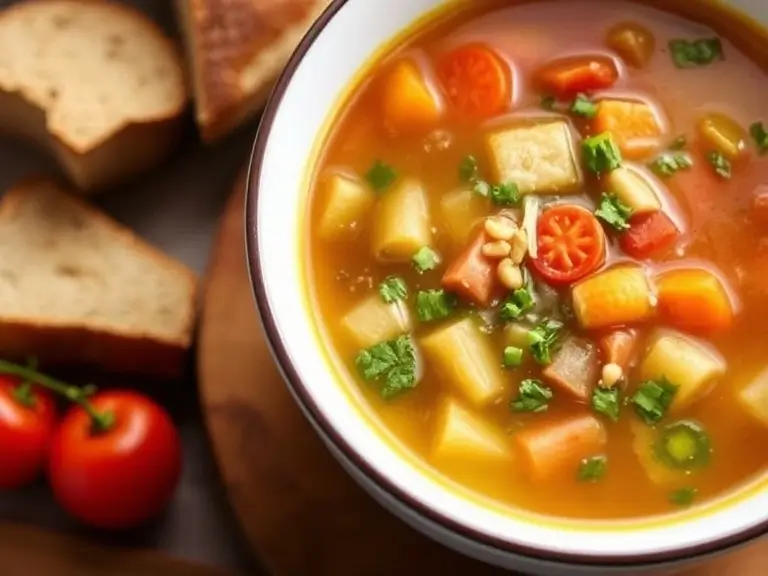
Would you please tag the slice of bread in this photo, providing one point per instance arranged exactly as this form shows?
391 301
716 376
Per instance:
236 49
96 82
77 288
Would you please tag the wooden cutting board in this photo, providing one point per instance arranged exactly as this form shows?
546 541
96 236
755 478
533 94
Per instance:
300 511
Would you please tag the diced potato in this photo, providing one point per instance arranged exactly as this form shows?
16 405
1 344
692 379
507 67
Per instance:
618 296
402 224
633 42
461 211
644 445
754 397
684 361
347 202
462 438
373 321
408 103
539 158
635 126
634 189
724 134
466 359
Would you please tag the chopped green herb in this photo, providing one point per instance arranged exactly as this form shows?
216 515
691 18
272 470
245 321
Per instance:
532 396
393 289
760 136
425 259
683 496
684 445
678 143
434 305
670 162
721 164
380 176
517 303
468 169
505 194
691 54
481 188
543 340
548 102
653 398
513 357
592 469
606 401
601 154
583 106
614 212
392 362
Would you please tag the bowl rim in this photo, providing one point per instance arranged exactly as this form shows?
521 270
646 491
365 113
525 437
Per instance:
328 432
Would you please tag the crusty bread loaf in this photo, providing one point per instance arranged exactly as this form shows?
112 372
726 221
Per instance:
78 288
236 49
95 81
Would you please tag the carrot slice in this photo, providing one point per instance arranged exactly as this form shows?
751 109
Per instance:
648 234
567 77
571 244
694 299
614 297
618 347
475 80
472 275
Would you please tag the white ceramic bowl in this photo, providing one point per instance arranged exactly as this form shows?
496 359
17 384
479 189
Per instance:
297 117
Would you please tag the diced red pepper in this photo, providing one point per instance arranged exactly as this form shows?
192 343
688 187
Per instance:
472 275
566 77
648 234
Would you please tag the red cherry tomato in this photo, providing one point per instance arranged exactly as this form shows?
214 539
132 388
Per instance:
121 477
25 433
571 244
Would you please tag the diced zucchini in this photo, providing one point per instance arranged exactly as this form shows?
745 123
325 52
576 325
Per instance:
754 397
644 444
402 224
461 211
373 321
347 202
633 189
724 134
539 158
467 360
462 438
683 445
684 361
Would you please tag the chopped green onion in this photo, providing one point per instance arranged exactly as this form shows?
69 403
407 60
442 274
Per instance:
668 163
760 136
513 357
543 340
583 106
468 169
434 305
614 212
380 176
684 445
592 469
394 362
601 154
691 54
721 164
653 398
517 303
606 401
532 396
683 496
426 259
392 289
506 194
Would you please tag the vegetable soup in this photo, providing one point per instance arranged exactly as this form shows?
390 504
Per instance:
539 244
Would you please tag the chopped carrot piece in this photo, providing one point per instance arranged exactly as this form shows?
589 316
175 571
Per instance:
408 103
567 77
476 81
694 299
615 297
635 126
633 42
619 346
552 447
472 275
648 234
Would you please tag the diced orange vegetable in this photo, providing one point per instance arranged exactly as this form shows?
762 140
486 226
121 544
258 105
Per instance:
633 42
472 275
408 103
635 126
552 447
694 299
619 346
724 134
615 297
567 77
648 234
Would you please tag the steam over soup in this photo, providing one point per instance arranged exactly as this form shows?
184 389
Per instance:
539 244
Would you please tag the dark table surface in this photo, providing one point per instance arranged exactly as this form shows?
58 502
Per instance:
177 209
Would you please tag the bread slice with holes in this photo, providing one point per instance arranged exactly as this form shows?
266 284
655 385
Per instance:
95 82
235 50
77 288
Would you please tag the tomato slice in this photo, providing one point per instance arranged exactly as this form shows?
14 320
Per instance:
648 234
476 81
571 244
568 76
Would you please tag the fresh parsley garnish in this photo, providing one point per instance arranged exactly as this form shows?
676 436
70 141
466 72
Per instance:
543 340
760 136
695 53
606 401
391 363
683 496
513 357
425 259
583 106
517 303
653 398
532 396
392 289
592 469
468 169
601 154
721 164
548 102
434 305
670 162
380 176
614 212
506 194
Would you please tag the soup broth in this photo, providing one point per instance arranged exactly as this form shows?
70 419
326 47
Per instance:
538 245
